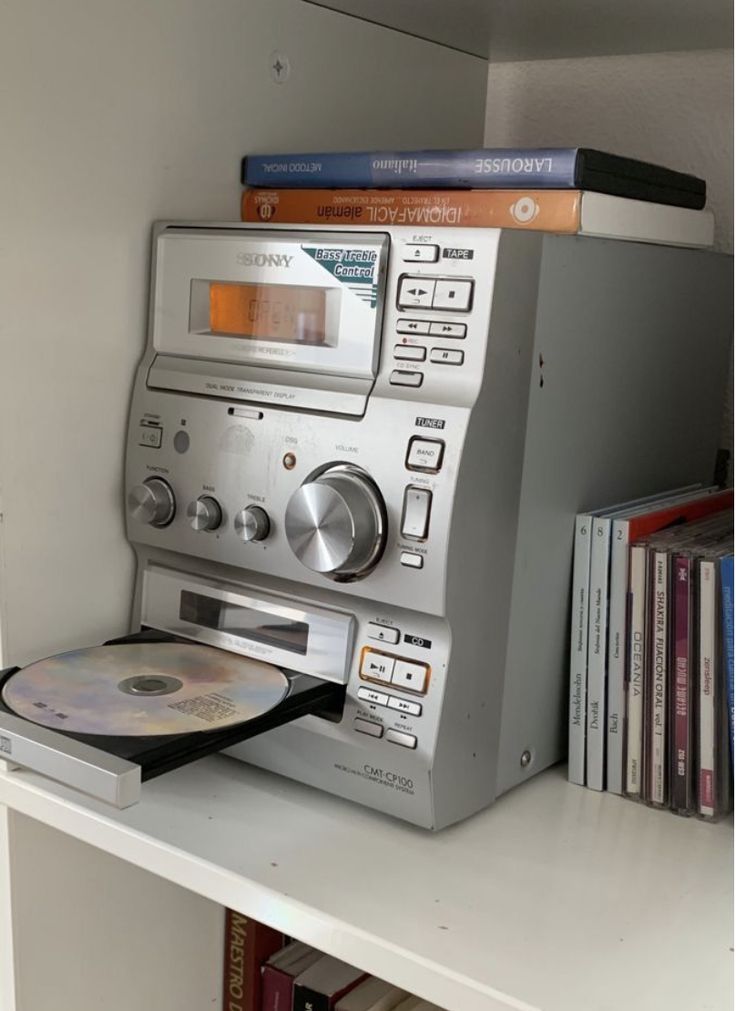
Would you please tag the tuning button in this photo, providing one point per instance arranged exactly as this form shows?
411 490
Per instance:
336 523
252 524
205 513
152 502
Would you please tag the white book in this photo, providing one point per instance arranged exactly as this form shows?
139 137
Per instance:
657 695
613 217
636 651
579 649
706 687
597 643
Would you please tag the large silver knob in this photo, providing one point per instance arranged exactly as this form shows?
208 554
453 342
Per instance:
336 523
204 513
152 502
252 524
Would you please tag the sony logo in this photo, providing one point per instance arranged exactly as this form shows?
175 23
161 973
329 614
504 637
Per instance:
264 259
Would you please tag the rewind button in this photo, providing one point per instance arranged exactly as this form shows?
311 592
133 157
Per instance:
414 326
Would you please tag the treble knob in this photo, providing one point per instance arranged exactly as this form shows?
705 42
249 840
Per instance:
252 524
336 524
205 513
152 502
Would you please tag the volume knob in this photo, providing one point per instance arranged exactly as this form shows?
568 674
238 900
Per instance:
336 524
152 502
205 513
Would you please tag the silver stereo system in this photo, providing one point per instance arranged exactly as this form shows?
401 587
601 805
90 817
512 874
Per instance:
356 454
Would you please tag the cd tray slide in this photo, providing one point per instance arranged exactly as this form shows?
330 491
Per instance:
111 767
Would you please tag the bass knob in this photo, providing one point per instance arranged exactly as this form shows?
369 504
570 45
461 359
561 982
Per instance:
204 513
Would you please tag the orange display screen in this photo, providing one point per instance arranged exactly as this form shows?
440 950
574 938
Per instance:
293 314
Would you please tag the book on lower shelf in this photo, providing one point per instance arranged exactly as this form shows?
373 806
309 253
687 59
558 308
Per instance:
660 613
320 987
248 943
576 212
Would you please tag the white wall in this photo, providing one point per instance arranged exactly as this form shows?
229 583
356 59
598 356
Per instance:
114 113
672 108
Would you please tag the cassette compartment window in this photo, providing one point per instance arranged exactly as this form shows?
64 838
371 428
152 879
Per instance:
244 622
279 313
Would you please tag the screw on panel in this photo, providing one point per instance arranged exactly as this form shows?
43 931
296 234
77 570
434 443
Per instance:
280 66
526 759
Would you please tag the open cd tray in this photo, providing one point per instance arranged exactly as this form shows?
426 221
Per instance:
112 768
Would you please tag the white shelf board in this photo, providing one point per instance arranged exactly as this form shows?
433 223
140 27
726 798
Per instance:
556 898
503 30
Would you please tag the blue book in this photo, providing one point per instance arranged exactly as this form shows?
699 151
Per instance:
727 606
484 168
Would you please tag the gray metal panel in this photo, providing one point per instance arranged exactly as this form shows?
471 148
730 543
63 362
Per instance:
630 364
482 541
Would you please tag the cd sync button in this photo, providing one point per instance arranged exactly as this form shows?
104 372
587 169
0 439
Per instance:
366 727
425 454
412 676
402 705
409 352
418 326
447 356
403 740
382 632
406 378
421 253
411 560
377 666
457 330
369 695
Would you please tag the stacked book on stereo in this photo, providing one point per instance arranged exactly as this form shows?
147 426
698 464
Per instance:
263 971
566 190
651 652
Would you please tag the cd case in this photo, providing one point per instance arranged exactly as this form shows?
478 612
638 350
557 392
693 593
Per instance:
112 766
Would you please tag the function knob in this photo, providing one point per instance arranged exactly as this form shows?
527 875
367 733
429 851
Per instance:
336 523
252 524
205 513
152 502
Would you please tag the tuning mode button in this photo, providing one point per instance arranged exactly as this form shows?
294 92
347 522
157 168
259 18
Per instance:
152 502
252 524
205 513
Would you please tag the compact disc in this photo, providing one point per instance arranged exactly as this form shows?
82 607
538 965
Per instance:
141 689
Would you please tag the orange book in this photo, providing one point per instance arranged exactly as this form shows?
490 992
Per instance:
545 210
576 212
